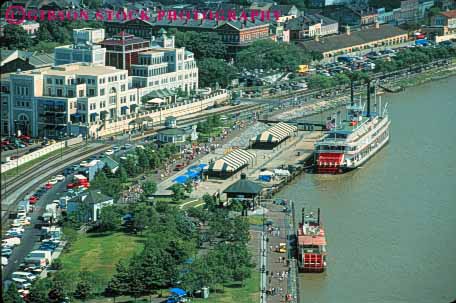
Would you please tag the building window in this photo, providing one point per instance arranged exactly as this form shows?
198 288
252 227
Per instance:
91 92
102 92
112 100
70 93
81 93
122 88
59 92
49 81
49 91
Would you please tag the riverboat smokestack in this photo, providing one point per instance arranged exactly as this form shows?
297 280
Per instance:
368 98
302 215
318 222
352 93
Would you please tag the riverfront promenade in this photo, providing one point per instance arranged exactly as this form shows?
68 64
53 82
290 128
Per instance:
279 275
291 152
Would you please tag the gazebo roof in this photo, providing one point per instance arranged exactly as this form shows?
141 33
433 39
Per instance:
244 186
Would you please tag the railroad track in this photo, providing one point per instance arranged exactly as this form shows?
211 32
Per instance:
28 170
39 176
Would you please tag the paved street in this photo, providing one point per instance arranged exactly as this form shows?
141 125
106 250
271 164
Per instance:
31 235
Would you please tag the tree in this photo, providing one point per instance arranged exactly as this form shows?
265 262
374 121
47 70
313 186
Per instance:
39 291
119 282
140 219
83 289
178 192
212 71
57 264
11 295
342 79
121 173
136 279
387 4
209 202
143 160
149 188
201 44
15 37
188 186
320 81
109 218
268 54
93 4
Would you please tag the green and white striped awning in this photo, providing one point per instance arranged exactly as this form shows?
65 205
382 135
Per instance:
275 133
232 161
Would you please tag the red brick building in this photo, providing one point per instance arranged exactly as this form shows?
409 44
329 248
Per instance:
122 50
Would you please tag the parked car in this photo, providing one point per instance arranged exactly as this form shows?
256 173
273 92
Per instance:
60 177
53 181
109 152
48 186
33 199
6 252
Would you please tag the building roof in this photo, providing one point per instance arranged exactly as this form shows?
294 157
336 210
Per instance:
303 22
75 69
159 93
232 161
36 59
122 38
332 43
285 9
111 163
200 24
172 132
244 186
276 133
449 14
91 197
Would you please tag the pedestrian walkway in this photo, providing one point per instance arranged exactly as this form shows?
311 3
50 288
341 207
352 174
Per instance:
277 268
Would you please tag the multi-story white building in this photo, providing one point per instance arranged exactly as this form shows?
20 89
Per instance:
165 67
84 48
47 102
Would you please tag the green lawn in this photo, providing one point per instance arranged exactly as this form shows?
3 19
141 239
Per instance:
250 293
99 253
21 168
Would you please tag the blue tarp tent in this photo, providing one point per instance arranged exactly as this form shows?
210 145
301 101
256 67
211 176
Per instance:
181 179
202 166
194 167
265 178
193 174
178 292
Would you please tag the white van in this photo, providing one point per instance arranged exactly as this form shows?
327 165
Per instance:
23 275
11 241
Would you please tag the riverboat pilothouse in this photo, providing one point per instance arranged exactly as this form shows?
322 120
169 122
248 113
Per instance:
351 142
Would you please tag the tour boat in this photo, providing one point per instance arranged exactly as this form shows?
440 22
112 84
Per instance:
311 244
349 143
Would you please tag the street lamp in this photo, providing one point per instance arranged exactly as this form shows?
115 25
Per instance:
18 133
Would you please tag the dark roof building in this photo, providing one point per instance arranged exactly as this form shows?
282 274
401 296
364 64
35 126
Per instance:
311 25
122 50
12 60
243 188
94 201
357 40
235 34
